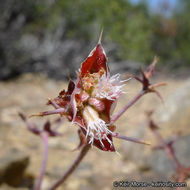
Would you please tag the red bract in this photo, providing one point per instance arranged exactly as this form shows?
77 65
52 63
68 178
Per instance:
95 61
89 102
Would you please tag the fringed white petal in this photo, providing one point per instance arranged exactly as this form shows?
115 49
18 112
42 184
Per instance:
96 127
109 87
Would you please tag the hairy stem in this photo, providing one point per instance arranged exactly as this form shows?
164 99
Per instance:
127 106
81 155
44 136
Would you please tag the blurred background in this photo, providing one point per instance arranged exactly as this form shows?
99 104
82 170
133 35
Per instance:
44 41
51 36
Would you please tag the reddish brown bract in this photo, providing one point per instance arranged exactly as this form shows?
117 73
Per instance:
95 61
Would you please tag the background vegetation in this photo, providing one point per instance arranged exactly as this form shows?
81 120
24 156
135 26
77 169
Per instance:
137 31
132 31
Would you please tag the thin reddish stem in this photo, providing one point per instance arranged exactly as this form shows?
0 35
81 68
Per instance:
81 155
127 106
119 136
51 112
54 104
182 173
44 136
168 149
171 155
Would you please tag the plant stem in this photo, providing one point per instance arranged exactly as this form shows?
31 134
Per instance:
127 106
81 155
44 136
169 150
182 173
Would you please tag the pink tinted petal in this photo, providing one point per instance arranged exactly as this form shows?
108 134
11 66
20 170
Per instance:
107 146
73 101
95 61
83 96
74 106
97 104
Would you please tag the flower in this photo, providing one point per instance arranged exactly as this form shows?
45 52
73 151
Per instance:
90 101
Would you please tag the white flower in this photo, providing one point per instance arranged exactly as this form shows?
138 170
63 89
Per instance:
96 127
108 87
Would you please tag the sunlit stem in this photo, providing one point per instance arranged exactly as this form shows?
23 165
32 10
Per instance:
119 136
81 155
53 103
44 136
157 85
127 106
56 111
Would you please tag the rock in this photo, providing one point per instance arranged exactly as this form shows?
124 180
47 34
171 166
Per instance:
6 187
12 167
182 150
132 180
147 159
174 115
158 160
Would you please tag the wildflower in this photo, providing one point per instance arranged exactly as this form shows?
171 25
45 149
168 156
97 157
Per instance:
90 101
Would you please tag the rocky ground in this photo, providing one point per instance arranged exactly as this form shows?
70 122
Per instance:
21 151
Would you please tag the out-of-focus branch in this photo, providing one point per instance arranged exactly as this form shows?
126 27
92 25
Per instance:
181 173
147 87
44 136
81 155
44 133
